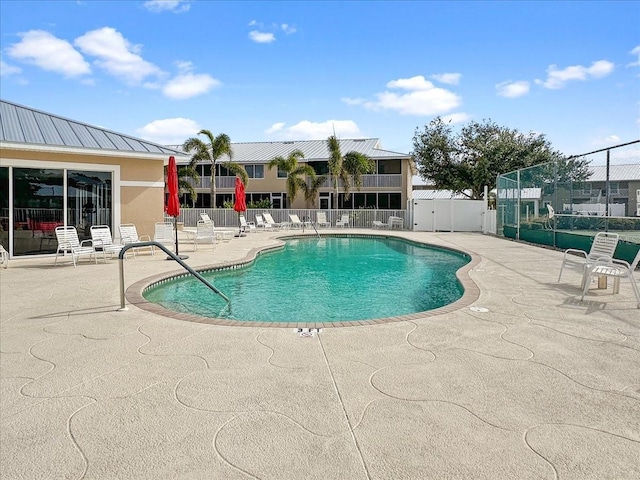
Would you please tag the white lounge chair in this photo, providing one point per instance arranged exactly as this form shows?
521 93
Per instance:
204 216
379 224
296 222
261 224
204 231
4 257
343 222
129 234
103 241
603 247
68 242
269 219
617 269
321 220
244 225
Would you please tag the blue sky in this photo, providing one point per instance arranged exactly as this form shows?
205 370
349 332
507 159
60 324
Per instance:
269 71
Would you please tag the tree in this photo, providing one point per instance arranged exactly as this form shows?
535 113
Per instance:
479 153
184 185
294 170
212 151
313 187
347 168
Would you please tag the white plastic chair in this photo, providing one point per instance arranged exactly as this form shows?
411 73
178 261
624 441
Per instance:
261 224
321 220
603 247
296 222
269 219
103 241
4 257
244 225
204 231
164 234
343 222
68 242
129 234
617 269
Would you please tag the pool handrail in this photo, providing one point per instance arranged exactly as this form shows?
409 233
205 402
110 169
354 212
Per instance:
170 254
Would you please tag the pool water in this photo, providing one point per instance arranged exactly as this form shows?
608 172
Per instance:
324 280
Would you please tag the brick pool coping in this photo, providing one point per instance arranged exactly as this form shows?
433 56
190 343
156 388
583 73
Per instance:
134 294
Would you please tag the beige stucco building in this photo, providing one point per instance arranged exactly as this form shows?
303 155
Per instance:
56 171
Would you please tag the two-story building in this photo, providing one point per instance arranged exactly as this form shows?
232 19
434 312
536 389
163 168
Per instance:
388 187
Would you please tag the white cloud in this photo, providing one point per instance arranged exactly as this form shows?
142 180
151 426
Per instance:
170 131
6 69
306 130
454 118
288 29
261 37
414 83
116 55
511 89
189 85
558 78
175 6
636 52
50 53
422 98
448 78
276 127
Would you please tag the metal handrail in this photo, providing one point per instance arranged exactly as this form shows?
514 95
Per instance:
308 219
170 254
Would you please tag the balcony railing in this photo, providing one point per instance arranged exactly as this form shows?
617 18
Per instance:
368 181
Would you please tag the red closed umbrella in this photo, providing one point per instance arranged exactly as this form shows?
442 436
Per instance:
173 202
240 205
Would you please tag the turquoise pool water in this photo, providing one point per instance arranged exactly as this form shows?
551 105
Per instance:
324 280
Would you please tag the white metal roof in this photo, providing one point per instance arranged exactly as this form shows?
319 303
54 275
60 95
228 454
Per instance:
438 195
26 126
313 150
617 173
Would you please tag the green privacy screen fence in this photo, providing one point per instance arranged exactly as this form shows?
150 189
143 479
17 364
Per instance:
562 205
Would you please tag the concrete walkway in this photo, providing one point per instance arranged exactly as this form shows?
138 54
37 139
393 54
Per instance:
533 385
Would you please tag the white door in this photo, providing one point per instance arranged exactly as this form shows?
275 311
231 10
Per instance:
423 213
325 201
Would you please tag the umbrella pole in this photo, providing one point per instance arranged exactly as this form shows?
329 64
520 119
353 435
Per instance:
175 228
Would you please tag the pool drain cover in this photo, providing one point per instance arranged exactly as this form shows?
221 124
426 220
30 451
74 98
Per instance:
479 309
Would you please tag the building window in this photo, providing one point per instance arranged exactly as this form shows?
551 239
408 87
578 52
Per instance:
389 167
321 168
255 171
282 174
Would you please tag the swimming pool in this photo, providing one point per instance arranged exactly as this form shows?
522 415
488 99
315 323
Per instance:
329 279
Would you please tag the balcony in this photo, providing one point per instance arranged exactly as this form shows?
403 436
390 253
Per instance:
368 181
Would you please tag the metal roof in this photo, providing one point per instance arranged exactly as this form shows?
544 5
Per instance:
438 195
19 124
313 150
617 173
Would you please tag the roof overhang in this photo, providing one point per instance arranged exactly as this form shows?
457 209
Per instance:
25 147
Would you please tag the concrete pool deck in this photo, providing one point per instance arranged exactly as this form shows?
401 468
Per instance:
540 385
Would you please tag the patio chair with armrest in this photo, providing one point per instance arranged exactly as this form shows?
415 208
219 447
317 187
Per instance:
603 246
129 234
68 242
204 231
261 224
244 225
103 241
269 219
4 257
297 223
616 269
343 222
321 220
164 233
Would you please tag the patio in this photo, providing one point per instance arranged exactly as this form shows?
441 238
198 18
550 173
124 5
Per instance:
527 383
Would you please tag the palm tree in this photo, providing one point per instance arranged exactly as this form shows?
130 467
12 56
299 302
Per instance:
312 188
212 151
293 170
345 168
184 185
